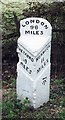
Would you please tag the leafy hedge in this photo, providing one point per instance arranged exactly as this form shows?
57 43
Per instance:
54 13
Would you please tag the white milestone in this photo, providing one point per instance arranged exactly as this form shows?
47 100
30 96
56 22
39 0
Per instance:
33 68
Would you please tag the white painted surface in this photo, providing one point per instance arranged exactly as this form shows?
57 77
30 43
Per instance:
34 44
36 64
35 26
33 68
31 37
36 90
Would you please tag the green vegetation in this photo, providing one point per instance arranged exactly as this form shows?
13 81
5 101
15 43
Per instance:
62 102
13 107
58 82
62 114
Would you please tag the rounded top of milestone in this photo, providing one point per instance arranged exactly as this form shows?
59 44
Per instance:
35 26
34 34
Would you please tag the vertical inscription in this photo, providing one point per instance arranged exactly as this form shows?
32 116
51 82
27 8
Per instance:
44 80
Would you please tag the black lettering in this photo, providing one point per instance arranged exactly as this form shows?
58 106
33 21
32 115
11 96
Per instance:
33 32
44 63
25 53
37 71
36 59
44 78
47 60
21 51
36 27
24 66
27 22
46 27
21 63
37 21
42 66
27 56
41 32
41 54
37 32
44 82
27 32
32 21
42 23
42 59
23 25
27 68
25 61
32 27
32 59
30 71
44 51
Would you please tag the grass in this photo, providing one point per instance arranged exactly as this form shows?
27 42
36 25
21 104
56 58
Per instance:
58 82
13 108
61 114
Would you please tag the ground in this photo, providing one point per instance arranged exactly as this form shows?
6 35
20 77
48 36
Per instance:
14 108
11 106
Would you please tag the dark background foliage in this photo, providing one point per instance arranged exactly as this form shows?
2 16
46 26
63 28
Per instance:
55 14
11 15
